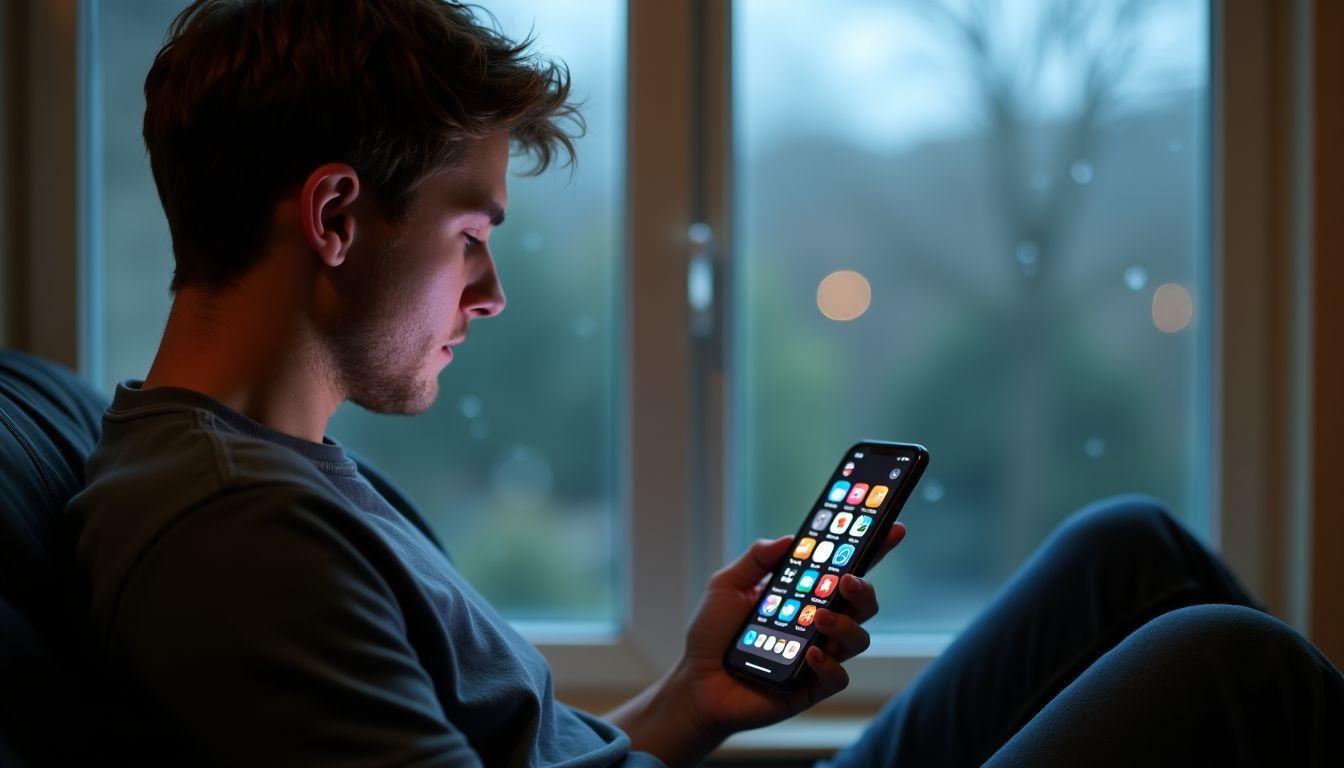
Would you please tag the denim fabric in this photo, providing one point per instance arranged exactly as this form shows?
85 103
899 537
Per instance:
1121 641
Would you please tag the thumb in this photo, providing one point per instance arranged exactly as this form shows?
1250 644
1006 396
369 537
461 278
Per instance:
754 564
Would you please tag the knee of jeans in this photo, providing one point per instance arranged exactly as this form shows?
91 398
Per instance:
1231 637
1117 521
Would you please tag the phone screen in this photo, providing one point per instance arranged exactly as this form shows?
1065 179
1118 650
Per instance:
840 534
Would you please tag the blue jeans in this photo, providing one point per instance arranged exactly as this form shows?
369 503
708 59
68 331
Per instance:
1123 641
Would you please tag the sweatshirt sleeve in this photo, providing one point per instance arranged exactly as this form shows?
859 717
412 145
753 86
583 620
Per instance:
259 627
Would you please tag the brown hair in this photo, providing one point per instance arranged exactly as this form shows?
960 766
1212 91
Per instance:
248 97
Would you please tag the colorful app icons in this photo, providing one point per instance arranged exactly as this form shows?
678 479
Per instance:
876 497
771 604
792 649
824 589
861 525
857 493
838 491
804 548
842 521
750 637
820 519
789 610
842 554
823 552
806 581
809 613
848 470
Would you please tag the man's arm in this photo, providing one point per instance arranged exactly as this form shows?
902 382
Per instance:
697 704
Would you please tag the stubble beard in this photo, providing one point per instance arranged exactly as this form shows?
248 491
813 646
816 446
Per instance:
380 357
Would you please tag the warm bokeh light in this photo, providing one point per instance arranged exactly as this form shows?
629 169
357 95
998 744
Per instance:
844 295
1172 308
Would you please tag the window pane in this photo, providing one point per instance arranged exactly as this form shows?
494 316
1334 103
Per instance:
1024 221
515 463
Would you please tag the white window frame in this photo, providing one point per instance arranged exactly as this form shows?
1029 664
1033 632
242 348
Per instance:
676 391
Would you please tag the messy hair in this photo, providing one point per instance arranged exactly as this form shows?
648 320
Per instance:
248 97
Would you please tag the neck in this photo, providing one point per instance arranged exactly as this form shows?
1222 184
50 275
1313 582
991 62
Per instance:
251 348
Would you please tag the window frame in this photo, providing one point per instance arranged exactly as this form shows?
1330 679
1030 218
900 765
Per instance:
1260 469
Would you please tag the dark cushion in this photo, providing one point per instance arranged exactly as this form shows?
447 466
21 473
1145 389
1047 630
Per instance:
49 422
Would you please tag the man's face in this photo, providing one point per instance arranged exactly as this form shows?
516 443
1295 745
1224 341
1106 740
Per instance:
417 284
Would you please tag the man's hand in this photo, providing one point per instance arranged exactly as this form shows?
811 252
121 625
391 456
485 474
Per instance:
698 704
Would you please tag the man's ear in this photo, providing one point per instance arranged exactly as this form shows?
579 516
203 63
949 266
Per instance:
325 207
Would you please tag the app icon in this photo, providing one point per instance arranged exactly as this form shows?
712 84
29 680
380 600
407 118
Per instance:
804 548
806 581
875 498
824 588
789 610
838 491
779 645
823 552
788 575
809 613
771 604
842 520
857 493
895 473
848 470
842 554
760 640
792 649
820 519
750 637
861 525
769 643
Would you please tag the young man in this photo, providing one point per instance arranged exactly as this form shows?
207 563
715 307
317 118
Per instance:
331 177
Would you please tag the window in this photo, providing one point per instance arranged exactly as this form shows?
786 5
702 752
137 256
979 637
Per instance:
1002 257
996 251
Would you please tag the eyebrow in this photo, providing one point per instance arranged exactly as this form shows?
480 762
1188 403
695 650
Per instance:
493 211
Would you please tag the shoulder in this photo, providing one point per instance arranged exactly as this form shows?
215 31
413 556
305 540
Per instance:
171 477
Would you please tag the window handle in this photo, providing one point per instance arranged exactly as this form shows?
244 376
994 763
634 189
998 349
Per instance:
700 279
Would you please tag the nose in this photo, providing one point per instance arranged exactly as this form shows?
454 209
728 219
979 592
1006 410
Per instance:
484 296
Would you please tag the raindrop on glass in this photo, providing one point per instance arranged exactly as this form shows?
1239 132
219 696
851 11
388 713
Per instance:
470 406
1094 447
933 491
585 326
1028 252
532 242
1081 171
1136 278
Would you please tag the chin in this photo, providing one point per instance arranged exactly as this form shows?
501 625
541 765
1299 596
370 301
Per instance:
398 398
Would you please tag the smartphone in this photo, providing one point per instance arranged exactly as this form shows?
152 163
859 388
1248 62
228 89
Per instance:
841 533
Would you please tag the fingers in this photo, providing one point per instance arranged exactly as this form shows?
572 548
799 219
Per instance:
862 597
894 537
848 638
831 678
755 564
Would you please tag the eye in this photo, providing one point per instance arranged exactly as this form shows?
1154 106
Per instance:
471 241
